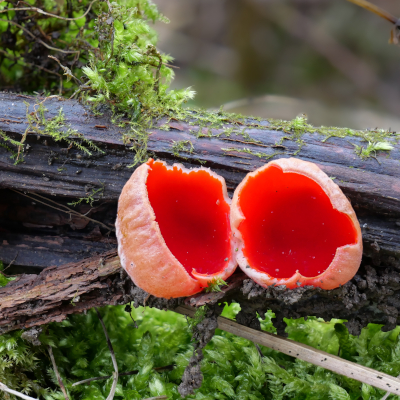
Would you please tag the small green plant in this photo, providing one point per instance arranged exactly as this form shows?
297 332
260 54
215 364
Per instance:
198 316
58 130
21 367
182 146
249 151
377 139
4 279
90 198
127 72
297 126
15 143
372 148
215 285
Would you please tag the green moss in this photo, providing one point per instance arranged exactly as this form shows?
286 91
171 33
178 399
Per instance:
127 74
377 139
55 127
59 130
248 151
12 142
215 285
198 317
4 279
20 367
95 195
182 146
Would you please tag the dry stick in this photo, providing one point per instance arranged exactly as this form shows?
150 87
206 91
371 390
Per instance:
11 263
40 11
68 211
306 353
375 9
388 393
60 382
66 70
99 378
14 392
115 373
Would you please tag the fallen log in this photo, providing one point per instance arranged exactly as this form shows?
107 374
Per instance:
38 231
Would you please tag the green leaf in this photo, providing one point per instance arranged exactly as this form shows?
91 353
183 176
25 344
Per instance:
338 393
345 344
367 391
386 146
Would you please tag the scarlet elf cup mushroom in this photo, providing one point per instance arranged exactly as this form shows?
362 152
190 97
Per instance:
173 229
295 227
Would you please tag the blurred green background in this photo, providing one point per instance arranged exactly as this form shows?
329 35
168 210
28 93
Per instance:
277 58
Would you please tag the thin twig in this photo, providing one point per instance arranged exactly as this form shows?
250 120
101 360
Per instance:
66 70
61 87
70 210
46 13
60 382
157 83
112 34
100 378
14 392
114 360
375 9
67 211
40 40
11 263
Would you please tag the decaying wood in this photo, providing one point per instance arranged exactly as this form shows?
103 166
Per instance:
37 236
58 291
370 184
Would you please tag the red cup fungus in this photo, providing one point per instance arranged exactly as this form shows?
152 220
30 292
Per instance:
173 229
295 227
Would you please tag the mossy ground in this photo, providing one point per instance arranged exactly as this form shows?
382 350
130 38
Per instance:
158 346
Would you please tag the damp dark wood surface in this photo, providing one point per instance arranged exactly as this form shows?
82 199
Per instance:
49 168
36 232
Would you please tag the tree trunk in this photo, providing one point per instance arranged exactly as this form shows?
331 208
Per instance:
34 236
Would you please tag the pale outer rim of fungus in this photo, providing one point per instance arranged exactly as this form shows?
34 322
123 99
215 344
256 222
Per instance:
348 256
142 249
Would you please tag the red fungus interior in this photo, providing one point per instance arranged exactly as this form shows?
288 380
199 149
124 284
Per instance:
290 224
193 216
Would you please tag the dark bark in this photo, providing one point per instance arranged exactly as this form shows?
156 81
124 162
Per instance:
56 292
34 236
370 184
